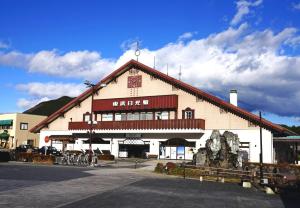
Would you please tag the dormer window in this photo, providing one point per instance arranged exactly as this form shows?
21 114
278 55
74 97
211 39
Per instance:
188 113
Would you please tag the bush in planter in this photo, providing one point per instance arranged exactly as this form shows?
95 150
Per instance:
176 171
171 165
159 168
41 158
24 156
106 157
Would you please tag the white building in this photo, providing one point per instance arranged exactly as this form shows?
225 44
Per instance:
137 109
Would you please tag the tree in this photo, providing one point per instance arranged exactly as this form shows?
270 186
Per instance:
4 136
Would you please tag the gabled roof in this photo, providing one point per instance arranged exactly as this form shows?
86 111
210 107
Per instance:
175 82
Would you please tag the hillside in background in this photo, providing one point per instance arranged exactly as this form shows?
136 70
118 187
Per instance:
295 129
48 107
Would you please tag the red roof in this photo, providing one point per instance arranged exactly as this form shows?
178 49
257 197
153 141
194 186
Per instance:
184 86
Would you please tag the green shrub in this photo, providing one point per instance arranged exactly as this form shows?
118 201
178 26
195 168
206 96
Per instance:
41 158
159 168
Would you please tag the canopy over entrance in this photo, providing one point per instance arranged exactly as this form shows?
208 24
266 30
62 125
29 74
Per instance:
178 142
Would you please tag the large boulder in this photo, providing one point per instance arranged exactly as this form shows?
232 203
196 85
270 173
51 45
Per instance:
220 151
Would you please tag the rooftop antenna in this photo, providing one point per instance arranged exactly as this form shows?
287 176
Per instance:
137 51
168 69
179 74
154 62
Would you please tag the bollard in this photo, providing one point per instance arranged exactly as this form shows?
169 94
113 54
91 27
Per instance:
135 164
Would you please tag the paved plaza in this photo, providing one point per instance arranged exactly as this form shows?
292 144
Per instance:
120 185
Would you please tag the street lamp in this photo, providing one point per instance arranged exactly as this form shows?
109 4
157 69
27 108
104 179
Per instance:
92 86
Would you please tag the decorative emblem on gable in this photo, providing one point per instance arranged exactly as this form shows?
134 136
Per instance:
134 81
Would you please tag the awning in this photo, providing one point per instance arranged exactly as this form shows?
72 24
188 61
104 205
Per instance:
6 122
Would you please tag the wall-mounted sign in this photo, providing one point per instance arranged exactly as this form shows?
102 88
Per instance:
130 103
163 102
46 139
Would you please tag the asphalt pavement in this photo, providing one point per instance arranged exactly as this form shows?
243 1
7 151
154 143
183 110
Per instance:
24 185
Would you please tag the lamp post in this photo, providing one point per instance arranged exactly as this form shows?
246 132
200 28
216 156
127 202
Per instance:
92 86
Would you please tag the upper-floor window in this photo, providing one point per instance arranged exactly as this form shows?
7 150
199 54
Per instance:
6 127
24 126
86 117
107 117
120 117
188 113
162 115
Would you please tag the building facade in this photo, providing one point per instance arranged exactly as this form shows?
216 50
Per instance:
18 126
137 110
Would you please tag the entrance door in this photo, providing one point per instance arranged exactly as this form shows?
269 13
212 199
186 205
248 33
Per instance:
133 150
133 147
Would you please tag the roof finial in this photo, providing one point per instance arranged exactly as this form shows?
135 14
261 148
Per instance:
137 51
179 74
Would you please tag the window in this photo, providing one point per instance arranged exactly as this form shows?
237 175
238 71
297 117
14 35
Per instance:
24 126
136 116
149 116
188 113
158 116
118 117
129 116
143 116
6 127
86 117
107 117
165 115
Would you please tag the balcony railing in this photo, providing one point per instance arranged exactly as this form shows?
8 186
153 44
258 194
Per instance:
141 124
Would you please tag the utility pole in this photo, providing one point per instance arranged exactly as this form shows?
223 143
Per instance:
261 149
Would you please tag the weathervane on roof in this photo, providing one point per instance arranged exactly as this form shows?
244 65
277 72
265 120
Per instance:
137 51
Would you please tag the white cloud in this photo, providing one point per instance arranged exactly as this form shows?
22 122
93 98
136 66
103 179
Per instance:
51 89
253 62
40 92
79 64
186 36
243 8
296 6
25 104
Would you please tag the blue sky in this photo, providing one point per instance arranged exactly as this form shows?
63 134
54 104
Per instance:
48 48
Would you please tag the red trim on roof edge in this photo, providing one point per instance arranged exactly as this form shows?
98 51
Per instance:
193 90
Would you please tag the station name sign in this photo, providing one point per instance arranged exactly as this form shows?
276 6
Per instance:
136 103
130 103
